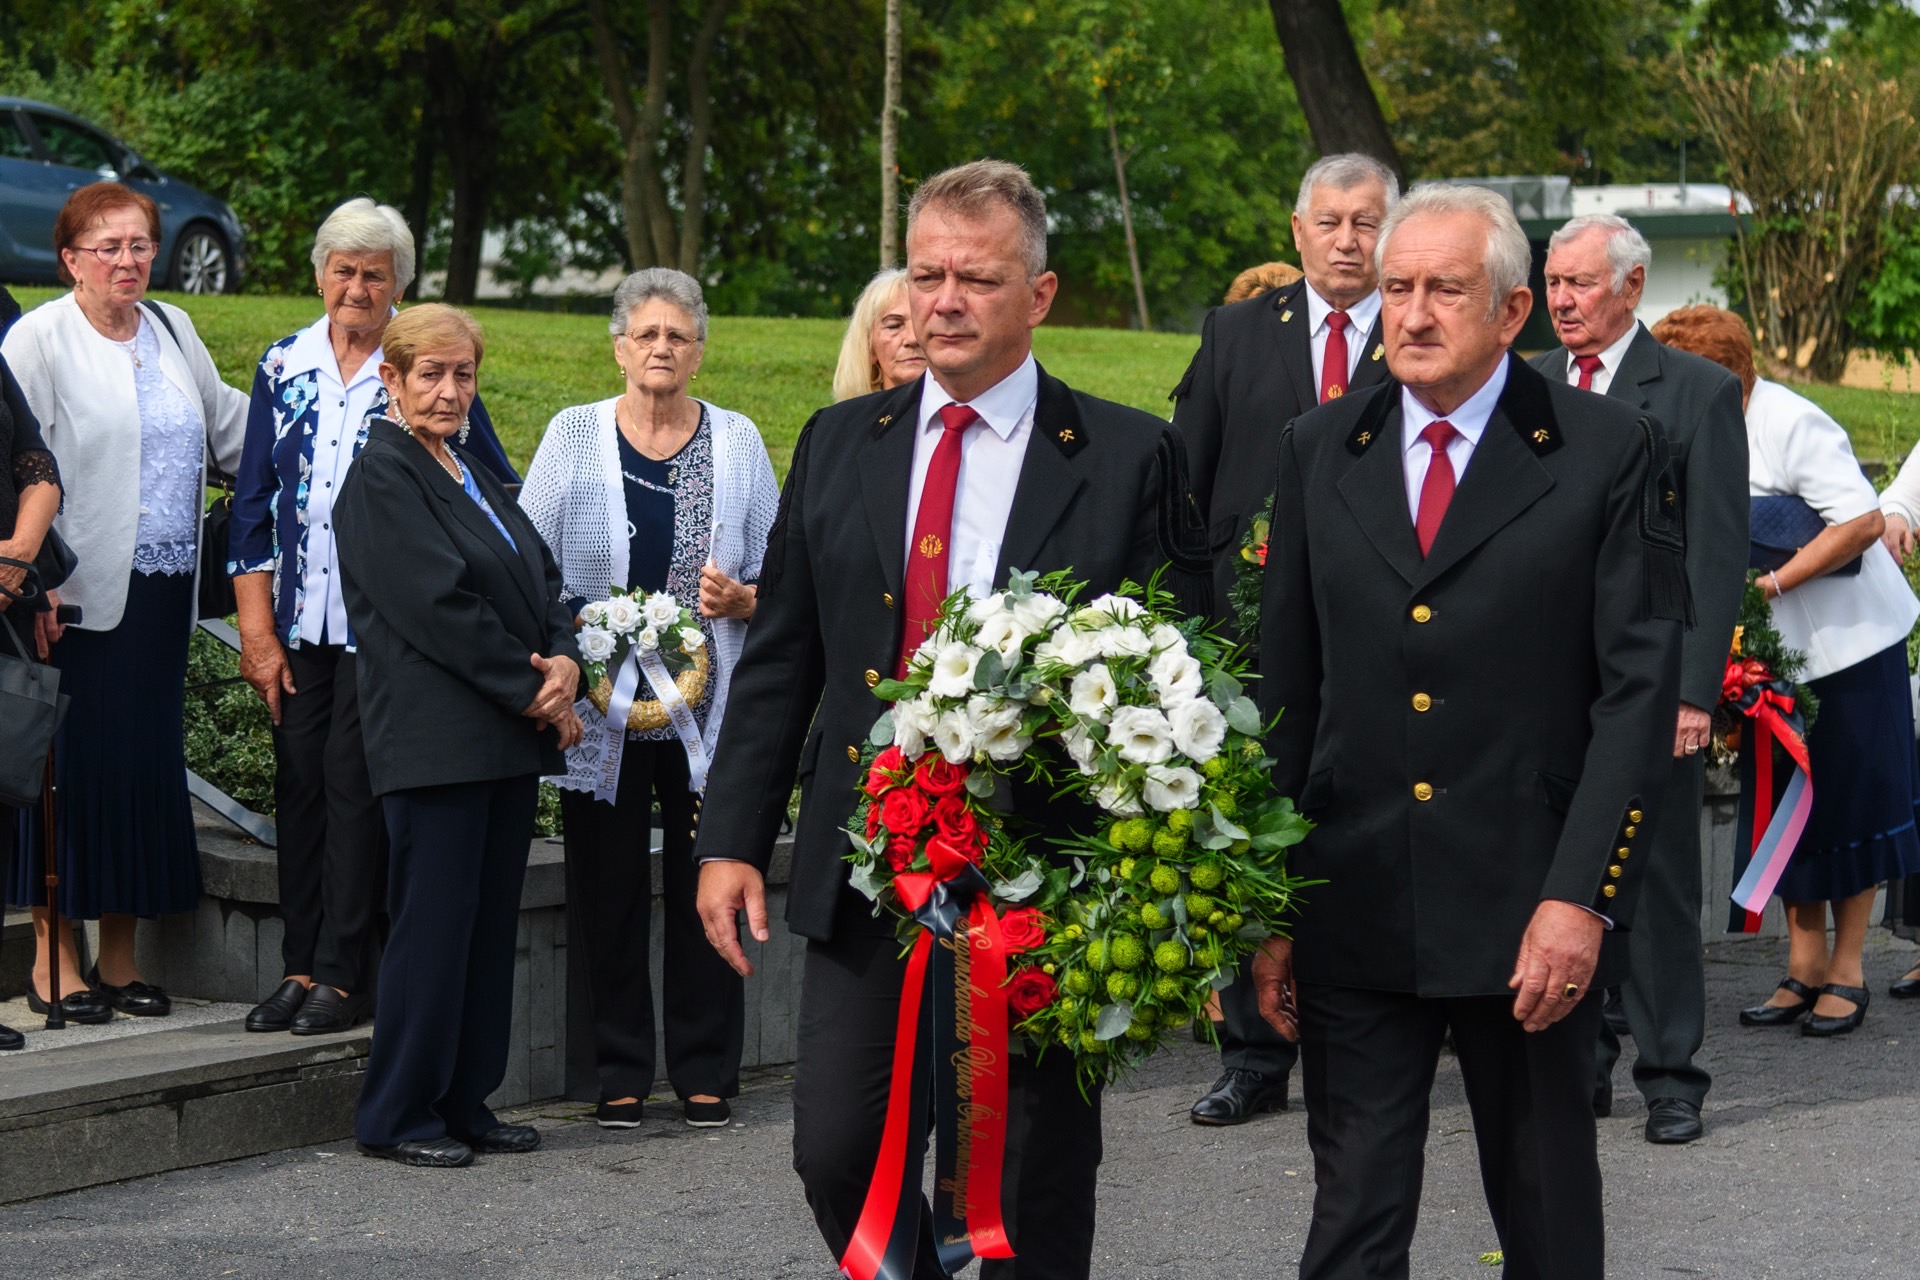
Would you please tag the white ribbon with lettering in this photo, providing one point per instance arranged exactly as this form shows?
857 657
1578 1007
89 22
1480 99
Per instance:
606 783
680 713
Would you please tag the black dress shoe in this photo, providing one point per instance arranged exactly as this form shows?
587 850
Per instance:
85 1007
1820 1025
136 999
11 1039
1673 1120
1908 988
619 1115
1238 1095
327 1010
440 1153
1780 1015
275 1013
708 1115
507 1140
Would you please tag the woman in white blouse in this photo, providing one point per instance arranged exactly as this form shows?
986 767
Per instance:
653 490
132 407
1853 629
1900 504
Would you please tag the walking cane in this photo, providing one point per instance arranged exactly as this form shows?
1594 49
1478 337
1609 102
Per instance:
56 1017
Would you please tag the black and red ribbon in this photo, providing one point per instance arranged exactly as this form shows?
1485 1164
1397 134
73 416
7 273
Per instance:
1771 829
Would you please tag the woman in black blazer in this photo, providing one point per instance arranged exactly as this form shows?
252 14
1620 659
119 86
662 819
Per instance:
468 674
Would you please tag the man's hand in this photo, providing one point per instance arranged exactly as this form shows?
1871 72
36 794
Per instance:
1898 537
569 728
47 627
1691 734
726 888
1273 981
558 689
263 664
1561 947
722 597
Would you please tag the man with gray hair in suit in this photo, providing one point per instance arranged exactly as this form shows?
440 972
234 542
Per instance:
1596 273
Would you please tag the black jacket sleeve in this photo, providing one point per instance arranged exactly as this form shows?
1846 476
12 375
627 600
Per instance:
1199 418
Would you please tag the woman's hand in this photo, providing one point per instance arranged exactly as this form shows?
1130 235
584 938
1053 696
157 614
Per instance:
47 627
722 597
1898 537
11 576
263 664
560 685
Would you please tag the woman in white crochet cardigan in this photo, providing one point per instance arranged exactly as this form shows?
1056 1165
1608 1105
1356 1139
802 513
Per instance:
653 490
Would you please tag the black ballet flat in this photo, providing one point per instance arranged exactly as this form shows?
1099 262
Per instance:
136 999
84 1007
11 1039
1820 1025
1781 1015
1907 988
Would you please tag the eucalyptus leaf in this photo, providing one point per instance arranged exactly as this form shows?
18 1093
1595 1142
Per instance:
867 881
1226 826
1223 687
1113 1021
1079 873
1244 717
1176 907
1021 887
989 671
1220 979
1253 931
896 690
882 735
980 782
1020 583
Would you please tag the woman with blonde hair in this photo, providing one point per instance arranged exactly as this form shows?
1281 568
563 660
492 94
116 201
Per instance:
880 351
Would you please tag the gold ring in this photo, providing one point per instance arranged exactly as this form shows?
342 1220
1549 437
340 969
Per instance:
1570 991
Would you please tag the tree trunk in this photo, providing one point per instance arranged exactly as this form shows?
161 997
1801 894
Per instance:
462 99
615 77
1126 213
699 130
419 210
1331 84
890 144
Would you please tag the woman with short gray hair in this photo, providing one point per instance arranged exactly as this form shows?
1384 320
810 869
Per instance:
652 490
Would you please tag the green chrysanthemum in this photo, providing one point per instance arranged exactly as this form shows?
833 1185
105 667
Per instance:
1127 952
1180 820
1122 986
1199 906
1097 956
1165 878
1169 843
1079 983
1170 956
1152 916
1207 875
1167 990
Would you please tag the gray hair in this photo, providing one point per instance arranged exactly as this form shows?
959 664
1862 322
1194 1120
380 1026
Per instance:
1626 247
1344 172
361 226
970 190
1509 257
642 287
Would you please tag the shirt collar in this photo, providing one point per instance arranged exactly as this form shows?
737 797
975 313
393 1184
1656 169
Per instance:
1610 358
1470 419
312 351
1362 313
1003 406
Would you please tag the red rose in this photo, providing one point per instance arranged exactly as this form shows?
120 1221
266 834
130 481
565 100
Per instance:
891 760
955 821
1029 992
873 821
905 811
900 851
882 776
939 778
1023 929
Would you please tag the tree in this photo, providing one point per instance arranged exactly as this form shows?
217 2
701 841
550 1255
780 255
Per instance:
1330 82
890 144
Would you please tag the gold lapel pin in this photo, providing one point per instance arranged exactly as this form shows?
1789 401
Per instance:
885 418
1335 391
1285 316
1540 436
1066 435
1379 349
1365 437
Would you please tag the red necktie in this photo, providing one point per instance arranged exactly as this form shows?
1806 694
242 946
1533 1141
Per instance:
1588 366
1333 362
926 577
1437 490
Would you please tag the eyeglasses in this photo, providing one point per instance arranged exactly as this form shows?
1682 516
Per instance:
676 340
142 250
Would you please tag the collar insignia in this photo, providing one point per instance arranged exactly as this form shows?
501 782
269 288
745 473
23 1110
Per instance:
1285 316
1379 349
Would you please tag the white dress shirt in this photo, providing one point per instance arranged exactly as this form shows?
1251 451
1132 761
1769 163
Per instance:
1610 359
1469 423
341 409
1362 314
991 453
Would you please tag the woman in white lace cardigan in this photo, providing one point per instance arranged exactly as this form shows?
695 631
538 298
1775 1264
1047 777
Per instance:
653 490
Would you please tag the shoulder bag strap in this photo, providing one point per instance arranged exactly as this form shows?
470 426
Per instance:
215 476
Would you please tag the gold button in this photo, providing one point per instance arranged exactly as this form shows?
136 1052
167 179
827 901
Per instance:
1422 614
1608 890
1421 702
887 598
1622 852
1635 815
1423 791
853 754
873 677
1614 871
1630 832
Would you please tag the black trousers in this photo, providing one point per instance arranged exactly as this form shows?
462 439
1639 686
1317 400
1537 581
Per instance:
333 840
1367 1065
446 980
849 1007
610 914
1665 992
1247 1040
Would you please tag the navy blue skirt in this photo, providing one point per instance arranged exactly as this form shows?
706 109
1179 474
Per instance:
1866 784
123 818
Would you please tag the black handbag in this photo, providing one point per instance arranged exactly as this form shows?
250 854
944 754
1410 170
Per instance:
31 708
1778 526
216 585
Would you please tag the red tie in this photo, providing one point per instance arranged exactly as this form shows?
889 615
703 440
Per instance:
926 577
1437 490
1333 362
1588 366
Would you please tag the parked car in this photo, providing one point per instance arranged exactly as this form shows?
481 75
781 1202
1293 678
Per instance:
46 153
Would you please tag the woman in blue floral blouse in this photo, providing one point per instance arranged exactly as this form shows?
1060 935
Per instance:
312 397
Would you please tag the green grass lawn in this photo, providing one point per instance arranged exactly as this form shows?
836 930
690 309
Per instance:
778 372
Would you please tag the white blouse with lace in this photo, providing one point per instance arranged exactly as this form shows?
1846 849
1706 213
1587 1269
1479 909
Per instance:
171 463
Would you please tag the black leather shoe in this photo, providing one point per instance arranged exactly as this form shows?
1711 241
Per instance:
11 1039
327 1010
85 1007
619 1115
1238 1095
1673 1120
275 1013
441 1153
1908 988
1780 1015
136 999
1819 1025
707 1115
508 1140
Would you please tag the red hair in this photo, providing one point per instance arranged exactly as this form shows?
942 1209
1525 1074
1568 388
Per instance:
1719 335
88 207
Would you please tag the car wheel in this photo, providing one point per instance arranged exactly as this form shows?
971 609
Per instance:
201 262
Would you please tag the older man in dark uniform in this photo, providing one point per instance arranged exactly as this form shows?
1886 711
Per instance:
1596 270
1471 614
983 465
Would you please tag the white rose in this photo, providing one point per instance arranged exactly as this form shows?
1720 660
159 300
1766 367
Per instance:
623 615
648 640
953 734
1068 647
1166 637
1141 734
1122 642
661 610
1111 608
1083 747
1175 675
691 640
1093 692
953 671
1116 799
1198 729
913 725
1004 741
1167 789
594 613
1002 633
596 643
1038 611
980 610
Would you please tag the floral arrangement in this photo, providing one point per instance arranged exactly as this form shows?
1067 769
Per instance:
628 622
1121 936
1758 656
1249 567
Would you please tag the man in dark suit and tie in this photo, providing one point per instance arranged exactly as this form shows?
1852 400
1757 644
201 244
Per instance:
1596 270
983 465
1471 615
1261 362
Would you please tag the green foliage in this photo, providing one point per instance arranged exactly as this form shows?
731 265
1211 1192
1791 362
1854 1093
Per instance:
1886 316
228 733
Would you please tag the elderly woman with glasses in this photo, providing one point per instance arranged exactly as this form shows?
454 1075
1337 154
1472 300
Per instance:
131 406
880 351
313 395
653 490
